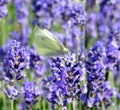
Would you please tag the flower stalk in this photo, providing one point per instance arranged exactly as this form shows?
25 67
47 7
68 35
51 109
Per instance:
12 104
3 31
74 104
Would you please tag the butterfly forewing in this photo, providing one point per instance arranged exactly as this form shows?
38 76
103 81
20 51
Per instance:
45 39
47 44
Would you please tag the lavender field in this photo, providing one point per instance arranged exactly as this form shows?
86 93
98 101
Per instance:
84 77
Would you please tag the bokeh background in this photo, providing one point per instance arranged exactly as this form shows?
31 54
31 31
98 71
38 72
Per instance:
88 78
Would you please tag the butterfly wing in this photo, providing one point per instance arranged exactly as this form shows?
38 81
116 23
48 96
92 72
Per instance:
46 43
56 40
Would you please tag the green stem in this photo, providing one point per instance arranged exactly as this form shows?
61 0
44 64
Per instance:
37 105
97 7
3 97
74 104
107 75
12 105
4 101
44 104
47 105
40 103
2 31
80 47
83 38
112 81
59 108
103 106
80 105
70 106
94 108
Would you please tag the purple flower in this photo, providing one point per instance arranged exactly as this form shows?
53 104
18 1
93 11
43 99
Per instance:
31 92
99 90
3 8
3 11
11 92
46 12
62 85
90 102
16 35
36 63
15 62
3 2
78 15
65 10
91 25
22 14
103 94
113 54
21 11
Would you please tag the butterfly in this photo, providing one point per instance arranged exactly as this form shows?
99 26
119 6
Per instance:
46 44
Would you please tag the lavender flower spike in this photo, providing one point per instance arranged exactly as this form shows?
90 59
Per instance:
31 92
63 84
15 62
3 8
